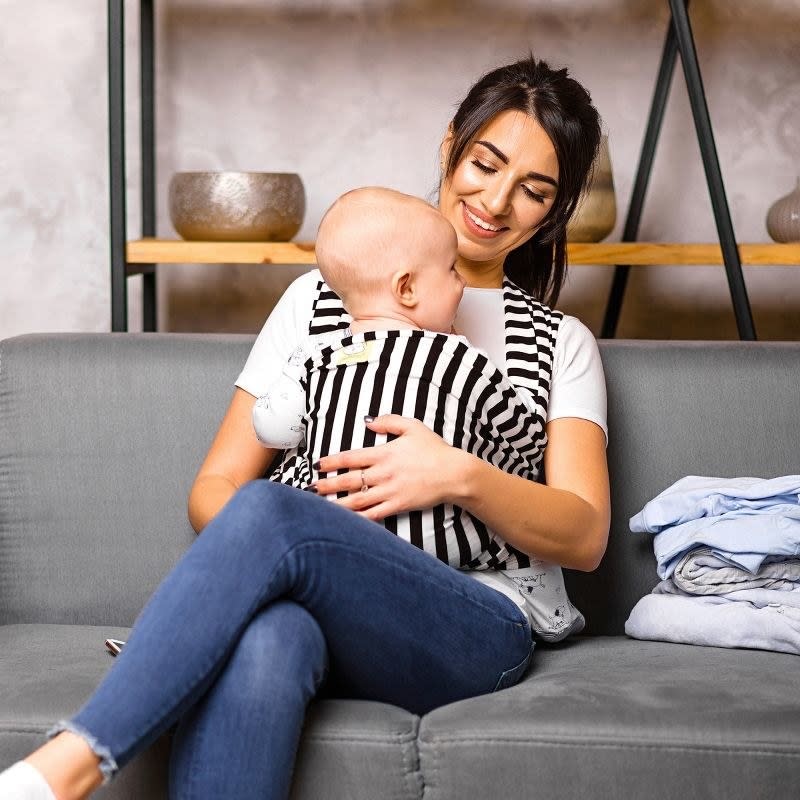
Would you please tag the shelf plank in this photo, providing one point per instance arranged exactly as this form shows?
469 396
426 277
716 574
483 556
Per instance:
685 254
177 251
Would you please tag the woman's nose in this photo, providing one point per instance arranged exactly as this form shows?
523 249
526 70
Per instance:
497 198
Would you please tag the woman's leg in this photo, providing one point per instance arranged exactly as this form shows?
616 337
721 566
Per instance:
401 627
240 740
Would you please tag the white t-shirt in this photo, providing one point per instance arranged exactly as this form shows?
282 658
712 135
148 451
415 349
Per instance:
577 387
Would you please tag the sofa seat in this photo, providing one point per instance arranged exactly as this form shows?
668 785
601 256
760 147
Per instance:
349 746
610 716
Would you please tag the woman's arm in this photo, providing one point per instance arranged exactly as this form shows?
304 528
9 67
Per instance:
565 521
234 458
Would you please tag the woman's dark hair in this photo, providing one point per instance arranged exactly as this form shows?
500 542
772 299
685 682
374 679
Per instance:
564 110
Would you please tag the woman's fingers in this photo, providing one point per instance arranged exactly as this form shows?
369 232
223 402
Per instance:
352 481
392 423
347 459
414 470
367 456
375 504
380 512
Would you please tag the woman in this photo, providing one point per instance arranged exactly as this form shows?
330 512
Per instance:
285 591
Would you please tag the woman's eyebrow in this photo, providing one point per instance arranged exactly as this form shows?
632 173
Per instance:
536 176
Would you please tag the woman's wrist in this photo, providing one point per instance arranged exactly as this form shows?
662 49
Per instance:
468 473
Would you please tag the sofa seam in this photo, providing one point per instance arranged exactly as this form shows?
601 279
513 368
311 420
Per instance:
412 773
365 737
621 745
37 729
433 769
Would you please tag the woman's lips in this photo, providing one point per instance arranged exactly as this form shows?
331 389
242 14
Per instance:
475 228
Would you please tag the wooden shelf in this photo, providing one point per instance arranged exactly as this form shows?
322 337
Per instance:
177 251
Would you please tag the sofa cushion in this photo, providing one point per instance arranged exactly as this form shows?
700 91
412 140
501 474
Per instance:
615 717
46 673
349 746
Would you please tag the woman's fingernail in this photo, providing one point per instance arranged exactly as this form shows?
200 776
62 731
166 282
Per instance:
312 489
368 419
315 465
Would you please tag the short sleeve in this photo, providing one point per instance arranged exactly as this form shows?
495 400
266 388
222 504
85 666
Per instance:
285 329
578 387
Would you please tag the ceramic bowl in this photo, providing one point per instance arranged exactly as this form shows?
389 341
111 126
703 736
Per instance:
237 206
596 214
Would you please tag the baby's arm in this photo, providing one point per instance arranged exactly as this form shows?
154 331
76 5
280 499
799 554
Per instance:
278 414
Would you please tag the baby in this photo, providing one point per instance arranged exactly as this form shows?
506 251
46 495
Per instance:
390 258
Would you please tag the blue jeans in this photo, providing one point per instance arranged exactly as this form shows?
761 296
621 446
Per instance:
284 590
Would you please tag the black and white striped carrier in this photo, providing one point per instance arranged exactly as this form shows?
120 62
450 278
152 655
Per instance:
451 387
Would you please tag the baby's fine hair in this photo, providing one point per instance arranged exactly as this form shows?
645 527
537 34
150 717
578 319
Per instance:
366 234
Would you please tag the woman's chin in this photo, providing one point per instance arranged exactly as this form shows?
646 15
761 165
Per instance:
473 250
480 252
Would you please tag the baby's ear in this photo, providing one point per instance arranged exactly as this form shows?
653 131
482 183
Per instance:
404 288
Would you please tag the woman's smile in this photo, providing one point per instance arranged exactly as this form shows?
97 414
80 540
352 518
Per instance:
480 224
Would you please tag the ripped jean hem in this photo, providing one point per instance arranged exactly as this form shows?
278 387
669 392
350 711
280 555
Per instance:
108 765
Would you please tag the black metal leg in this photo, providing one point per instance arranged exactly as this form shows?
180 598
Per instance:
631 229
679 38
116 153
716 188
147 90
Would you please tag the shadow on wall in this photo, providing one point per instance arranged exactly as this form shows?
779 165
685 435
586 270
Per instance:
688 311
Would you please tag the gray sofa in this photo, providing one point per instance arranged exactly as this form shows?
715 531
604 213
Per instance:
100 437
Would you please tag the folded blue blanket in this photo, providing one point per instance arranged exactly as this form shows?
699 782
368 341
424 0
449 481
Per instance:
742 520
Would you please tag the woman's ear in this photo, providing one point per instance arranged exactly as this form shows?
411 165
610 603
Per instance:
445 146
404 288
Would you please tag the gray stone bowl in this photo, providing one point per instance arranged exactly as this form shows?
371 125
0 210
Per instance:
237 206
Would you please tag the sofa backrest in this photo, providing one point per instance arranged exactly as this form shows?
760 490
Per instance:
101 436
100 439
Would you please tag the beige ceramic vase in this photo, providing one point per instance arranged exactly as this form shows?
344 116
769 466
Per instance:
597 208
783 218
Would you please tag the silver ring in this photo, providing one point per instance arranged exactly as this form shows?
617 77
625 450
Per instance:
364 486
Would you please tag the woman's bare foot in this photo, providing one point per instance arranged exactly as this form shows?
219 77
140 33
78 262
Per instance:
69 765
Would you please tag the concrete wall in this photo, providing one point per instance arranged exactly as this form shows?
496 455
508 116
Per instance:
352 92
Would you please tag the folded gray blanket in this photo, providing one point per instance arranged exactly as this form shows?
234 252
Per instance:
701 571
716 621
709 601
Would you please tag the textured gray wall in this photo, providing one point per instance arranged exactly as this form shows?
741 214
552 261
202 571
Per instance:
352 92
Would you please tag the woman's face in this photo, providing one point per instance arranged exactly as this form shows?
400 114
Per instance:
499 193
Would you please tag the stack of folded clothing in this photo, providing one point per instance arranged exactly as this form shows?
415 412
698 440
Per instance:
728 552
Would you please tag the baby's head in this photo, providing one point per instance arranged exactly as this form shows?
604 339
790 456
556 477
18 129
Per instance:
392 256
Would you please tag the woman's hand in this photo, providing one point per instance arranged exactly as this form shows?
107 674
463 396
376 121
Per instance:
416 470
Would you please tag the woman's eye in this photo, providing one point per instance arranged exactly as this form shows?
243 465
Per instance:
481 166
533 195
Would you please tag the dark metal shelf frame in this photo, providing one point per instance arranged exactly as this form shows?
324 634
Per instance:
120 269
679 39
